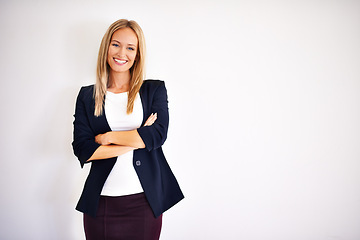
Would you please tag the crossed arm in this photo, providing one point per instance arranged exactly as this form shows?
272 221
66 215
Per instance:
116 143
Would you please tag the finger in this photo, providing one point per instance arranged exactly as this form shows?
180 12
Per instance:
151 119
148 119
147 123
154 117
97 139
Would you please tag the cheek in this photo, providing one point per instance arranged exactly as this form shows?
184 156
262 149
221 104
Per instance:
110 52
109 55
133 55
108 60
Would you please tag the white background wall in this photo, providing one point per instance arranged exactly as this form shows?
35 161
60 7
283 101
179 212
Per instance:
264 99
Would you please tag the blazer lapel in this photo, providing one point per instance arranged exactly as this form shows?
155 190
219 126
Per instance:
144 101
99 124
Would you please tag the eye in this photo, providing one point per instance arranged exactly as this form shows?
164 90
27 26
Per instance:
131 48
115 44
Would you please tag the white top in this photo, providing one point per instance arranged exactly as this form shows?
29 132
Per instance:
122 179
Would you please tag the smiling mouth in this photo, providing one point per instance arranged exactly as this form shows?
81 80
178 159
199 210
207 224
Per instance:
121 62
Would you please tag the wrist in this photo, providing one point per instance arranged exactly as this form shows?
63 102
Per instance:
108 138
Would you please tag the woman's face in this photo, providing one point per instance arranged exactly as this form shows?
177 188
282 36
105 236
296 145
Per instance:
122 50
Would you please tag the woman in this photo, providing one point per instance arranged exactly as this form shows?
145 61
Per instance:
130 184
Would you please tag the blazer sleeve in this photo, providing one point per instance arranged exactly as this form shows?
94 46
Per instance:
84 144
155 135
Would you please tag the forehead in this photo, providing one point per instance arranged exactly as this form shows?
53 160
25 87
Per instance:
125 36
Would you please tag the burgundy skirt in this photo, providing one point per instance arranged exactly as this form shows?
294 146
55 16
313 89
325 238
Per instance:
123 218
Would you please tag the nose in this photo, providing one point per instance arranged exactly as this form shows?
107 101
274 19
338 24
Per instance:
122 51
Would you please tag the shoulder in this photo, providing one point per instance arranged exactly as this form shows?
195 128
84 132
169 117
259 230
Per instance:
153 81
86 91
152 85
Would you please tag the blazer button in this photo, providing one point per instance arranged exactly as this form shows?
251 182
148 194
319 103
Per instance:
138 163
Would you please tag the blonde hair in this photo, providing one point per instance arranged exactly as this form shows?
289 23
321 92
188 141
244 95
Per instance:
103 68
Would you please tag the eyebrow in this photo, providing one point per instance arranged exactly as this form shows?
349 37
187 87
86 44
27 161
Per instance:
120 42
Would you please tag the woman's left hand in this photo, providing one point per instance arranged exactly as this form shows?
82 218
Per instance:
102 139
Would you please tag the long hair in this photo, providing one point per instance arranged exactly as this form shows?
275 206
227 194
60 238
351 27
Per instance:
103 68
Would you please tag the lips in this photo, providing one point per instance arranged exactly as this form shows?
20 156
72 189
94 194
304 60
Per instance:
120 61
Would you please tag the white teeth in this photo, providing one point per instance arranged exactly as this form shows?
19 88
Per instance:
120 61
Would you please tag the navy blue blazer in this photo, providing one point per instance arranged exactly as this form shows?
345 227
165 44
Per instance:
160 185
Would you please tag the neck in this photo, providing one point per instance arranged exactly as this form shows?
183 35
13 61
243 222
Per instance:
119 81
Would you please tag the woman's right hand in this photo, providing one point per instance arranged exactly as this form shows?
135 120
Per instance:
151 119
